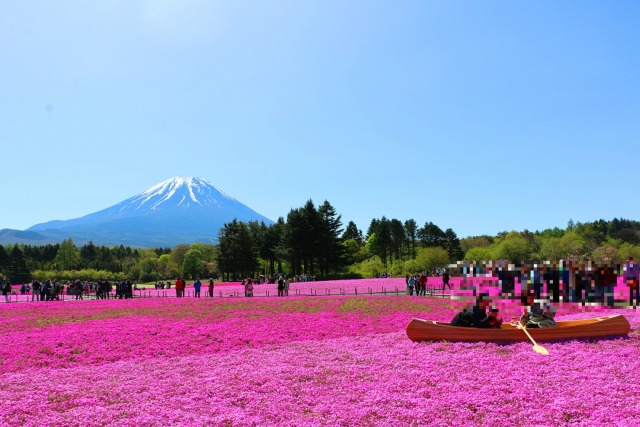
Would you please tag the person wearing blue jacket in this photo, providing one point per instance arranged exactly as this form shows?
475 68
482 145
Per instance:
196 287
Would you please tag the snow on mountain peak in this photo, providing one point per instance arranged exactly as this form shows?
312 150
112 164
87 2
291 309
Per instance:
188 190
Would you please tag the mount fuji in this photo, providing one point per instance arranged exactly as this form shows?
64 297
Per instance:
179 210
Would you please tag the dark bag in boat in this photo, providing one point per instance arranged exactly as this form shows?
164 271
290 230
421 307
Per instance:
538 321
459 320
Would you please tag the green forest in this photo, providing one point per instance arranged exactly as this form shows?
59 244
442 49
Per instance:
312 240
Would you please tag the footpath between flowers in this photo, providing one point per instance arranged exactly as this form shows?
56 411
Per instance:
296 361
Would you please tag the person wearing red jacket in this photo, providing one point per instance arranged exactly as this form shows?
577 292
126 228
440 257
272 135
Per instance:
180 285
422 290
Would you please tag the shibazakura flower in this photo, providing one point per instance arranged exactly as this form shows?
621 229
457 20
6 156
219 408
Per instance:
297 361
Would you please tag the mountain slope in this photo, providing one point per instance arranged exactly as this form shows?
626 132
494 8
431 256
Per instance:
179 210
8 235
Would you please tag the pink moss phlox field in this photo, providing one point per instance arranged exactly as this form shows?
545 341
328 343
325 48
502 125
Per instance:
297 361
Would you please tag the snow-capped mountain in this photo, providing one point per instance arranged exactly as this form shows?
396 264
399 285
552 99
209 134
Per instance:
183 190
178 210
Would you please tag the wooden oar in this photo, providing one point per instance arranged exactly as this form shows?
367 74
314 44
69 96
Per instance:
536 347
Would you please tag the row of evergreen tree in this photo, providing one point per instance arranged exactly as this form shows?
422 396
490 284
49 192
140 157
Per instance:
312 242
308 243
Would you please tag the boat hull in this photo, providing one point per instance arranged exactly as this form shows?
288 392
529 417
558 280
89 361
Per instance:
429 330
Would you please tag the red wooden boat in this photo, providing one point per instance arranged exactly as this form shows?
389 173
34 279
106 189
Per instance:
429 330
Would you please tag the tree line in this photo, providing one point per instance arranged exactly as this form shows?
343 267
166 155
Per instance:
601 241
312 241
21 263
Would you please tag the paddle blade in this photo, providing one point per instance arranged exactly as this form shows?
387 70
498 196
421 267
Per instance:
540 349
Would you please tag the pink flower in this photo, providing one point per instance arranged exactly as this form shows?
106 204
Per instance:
296 361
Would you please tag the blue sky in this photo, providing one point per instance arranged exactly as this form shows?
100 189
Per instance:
477 116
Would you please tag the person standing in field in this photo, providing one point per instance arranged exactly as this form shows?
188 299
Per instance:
445 280
35 296
120 290
286 286
604 284
423 284
248 290
180 285
56 288
78 288
551 275
631 275
196 287
99 289
210 287
6 291
412 283
108 287
45 289
128 289
280 287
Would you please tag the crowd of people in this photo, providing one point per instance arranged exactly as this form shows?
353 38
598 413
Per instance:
50 290
281 280
543 286
566 281
181 286
272 279
418 282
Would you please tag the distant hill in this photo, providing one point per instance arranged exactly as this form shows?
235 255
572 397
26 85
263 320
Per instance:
179 210
9 235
